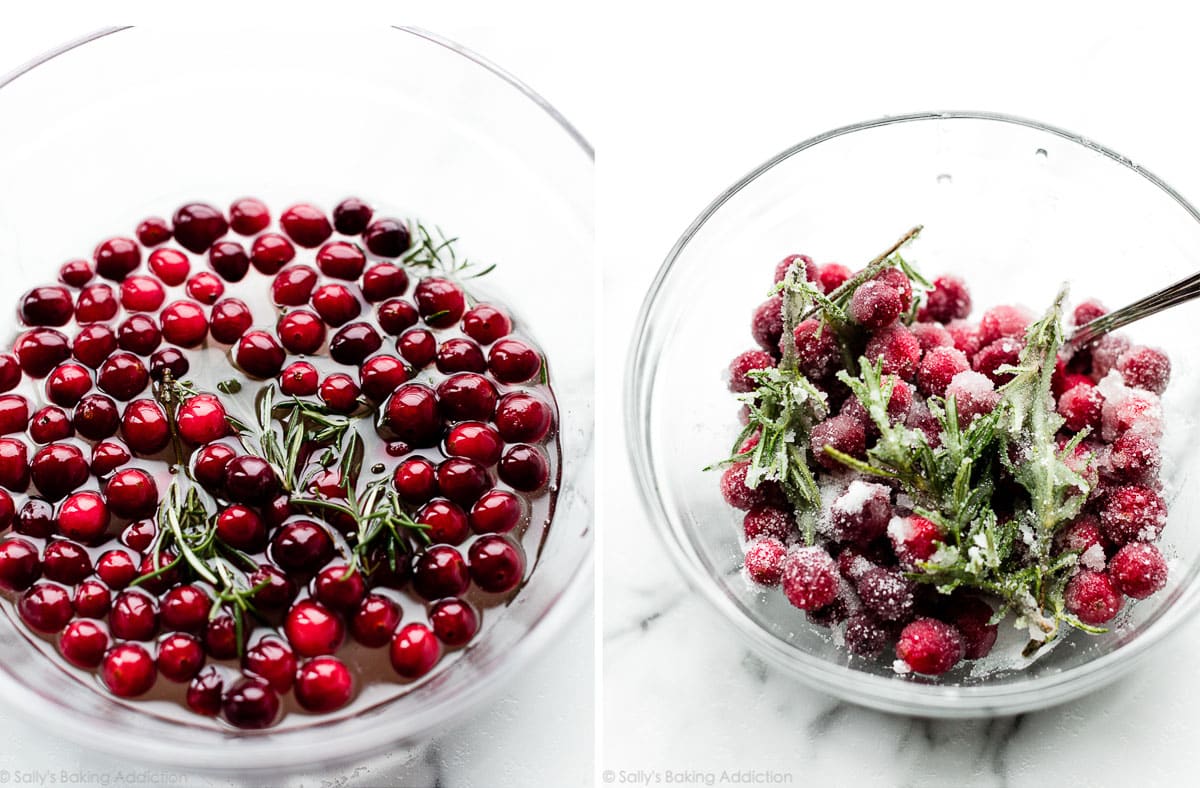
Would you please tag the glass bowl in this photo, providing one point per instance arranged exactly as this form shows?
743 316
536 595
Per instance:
134 122
1014 206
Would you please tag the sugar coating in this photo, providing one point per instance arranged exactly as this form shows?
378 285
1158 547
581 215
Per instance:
1093 557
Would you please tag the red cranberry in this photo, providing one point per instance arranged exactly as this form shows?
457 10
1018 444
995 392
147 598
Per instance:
198 225
275 590
351 216
810 578
57 470
339 587
446 522
92 599
512 361
313 629
460 355
142 294
930 646
10 372
170 265
497 565
415 480
153 231
36 518
524 468
1138 570
180 657
205 288
741 367
497 511
462 481
41 350
251 704
341 260
336 304
116 569
353 343
201 419
131 494
272 661
123 375
396 315
185 608
157 573
183 323
8 510
14 414
14 464
45 607
107 456
144 427
383 280
50 424
83 517
128 670
302 546
375 621
948 300
466 397
440 302
221 638
19 564
306 225
412 414
83 644
294 286
271 252
764 561
117 258
389 570
301 332
485 324
260 355
139 334
523 418
96 304
204 693
414 651
1092 597
94 343
1133 513
476 441
340 393
66 562
324 684
440 571
418 347
139 536
250 480
299 379
231 318
46 306
242 528
134 616
248 216
387 237
454 622
76 273
229 260
381 376
209 464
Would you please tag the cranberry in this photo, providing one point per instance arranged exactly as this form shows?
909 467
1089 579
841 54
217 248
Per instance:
201 419
339 587
14 413
1145 368
766 326
460 355
139 536
735 491
840 432
476 441
139 334
414 651
1138 570
412 414
185 608
183 323
418 347
971 616
170 265
301 332
260 355
876 304
485 324
92 599
810 578
524 468
8 510
336 304
1092 597
116 569
242 528
353 343
440 302
221 637
76 273
340 393
19 564
440 571
83 644
462 480
497 565
123 375
938 368
107 456
387 237
275 590
294 286
231 318
14 464
886 594
740 368
46 306
94 343
180 657
272 661
324 684
95 304
948 300
454 622
250 480
415 480
248 216
1133 513
144 427
40 350
131 494
764 561
50 424
209 464
205 288
271 252
1003 321
375 621
299 379
10 371
170 360
116 258
898 349
142 294
395 315
153 231
865 636
446 522
467 397
198 225
83 517
381 376
57 470
388 569
204 693
341 260
523 418
45 607
306 225
229 260
383 280
302 546
128 670
36 518
497 511
251 704
66 562
134 616
313 629
930 646
351 216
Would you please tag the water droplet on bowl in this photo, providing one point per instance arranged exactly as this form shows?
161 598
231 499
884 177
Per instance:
944 178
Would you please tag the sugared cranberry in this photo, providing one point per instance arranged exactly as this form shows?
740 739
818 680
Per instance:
46 306
294 286
764 561
1092 597
313 629
83 644
139 334
306 225
242 528
64 561
229 260
260 355
387 237
1145 368
185 608
301 332
440 302
930 646
183 323
340 393
875 304
40 350
1138 570
898 350
440 571
76 273
396 315
886 594
1132 513
131 494
231 318
375 620
299 379
745 363
865 636
142 294
204 693
352 343
117 258
45 607
248 216
497 565
19 564
198 225
816 350
843 433
250 480
180 657
810 578
336 304
302 546
272 661
94 344
861 514
251 704
1003 321
948 300
271 252
914 539
415 650
107 456
476 441
938 368
205 287
170 265
458 354
92 599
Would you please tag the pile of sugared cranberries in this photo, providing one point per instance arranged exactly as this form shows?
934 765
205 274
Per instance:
327 310
858 576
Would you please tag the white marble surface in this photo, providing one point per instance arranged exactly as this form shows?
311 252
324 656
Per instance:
539 731
681 694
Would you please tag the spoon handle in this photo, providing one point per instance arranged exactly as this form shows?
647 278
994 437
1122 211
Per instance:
1171 295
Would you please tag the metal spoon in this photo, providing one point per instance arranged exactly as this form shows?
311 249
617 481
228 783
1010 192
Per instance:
1169 296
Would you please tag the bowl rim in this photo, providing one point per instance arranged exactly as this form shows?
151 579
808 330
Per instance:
287 751
881 692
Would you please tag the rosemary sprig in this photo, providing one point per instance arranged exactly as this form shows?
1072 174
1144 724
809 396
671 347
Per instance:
436 253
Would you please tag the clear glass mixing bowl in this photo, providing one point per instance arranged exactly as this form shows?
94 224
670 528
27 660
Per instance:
134 122
1014 206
